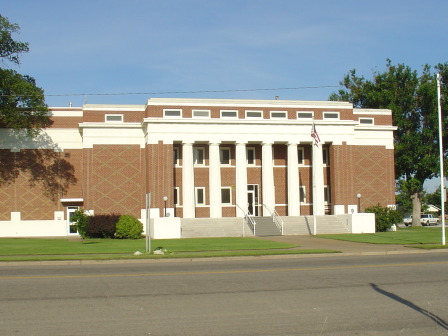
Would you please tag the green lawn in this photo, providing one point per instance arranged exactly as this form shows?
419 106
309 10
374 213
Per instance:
403 236
66 249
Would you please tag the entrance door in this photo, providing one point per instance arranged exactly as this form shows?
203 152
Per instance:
71 228
250 201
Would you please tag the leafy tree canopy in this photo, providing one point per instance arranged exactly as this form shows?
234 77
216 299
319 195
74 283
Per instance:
22 103
412 97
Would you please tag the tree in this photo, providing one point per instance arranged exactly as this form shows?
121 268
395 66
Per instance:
23 109
413 101
22 103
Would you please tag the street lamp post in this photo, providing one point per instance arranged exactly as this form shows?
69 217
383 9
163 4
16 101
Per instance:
359 202
165 198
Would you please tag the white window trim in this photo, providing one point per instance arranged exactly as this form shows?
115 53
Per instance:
230 193
312 115
329 112
200 117
284 112
226 117
230 156
176 192
325 156
174 117
303 190
369 123
196 189
113 115
203 156
301 155
258 111
247 156
176 157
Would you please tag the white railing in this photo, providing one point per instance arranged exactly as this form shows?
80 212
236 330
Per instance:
247 220
275 218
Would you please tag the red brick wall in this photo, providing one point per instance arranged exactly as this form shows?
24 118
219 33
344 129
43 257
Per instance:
368 170
28 183
114 181
160 175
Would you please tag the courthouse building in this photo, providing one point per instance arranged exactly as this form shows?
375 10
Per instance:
200 158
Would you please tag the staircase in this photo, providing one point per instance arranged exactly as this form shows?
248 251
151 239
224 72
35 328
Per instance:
265 226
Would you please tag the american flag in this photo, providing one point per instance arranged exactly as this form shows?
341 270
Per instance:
314 135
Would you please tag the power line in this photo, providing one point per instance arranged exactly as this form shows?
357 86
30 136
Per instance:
179 92
192 92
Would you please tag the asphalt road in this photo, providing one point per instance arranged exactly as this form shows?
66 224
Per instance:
326 295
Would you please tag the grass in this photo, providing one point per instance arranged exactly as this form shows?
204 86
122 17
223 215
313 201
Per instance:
422 237
21 249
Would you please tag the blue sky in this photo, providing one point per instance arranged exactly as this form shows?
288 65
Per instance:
160 48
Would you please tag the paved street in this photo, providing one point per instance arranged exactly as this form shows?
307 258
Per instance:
402 294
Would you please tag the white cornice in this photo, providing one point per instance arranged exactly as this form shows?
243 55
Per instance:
372 111
109 125
248 103
112 107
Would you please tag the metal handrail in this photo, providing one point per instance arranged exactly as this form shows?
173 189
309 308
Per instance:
249 220
275 218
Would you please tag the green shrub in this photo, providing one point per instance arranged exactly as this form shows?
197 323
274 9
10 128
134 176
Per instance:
102 226
128 227
384 217
81 220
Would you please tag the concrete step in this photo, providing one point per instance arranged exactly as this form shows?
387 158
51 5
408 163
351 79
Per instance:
265 226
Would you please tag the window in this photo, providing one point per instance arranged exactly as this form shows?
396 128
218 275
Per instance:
172 113
305 115
331 115
200 195
278 115
176 156
301 155
198 156
176 196
302 194
224 155
114 118
229 114
250 156
366 121
325 156
254 114
226 195
201 113
326 194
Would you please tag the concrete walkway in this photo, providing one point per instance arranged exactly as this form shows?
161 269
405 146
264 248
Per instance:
310 242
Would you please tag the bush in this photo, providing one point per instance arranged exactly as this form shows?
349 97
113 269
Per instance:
128 227
81 221
102 226
384 217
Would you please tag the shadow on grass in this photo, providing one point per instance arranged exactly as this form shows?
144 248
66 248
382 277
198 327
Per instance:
411 305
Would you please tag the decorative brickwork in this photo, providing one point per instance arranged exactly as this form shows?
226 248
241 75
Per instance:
115 179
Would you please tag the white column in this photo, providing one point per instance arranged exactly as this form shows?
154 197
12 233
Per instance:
215 181
318 181
241 178
267 178
293 181
188 181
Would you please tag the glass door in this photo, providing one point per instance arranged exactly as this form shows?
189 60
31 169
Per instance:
72 230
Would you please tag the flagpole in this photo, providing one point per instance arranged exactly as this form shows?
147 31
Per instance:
313 169
442 176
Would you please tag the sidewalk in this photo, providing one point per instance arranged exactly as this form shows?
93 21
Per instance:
353 248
